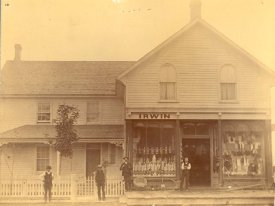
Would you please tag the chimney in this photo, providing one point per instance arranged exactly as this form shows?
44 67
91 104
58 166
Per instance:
17 54
195 10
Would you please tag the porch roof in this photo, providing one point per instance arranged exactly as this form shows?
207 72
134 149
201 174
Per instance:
47 133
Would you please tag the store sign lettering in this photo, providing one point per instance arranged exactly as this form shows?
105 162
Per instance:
154 116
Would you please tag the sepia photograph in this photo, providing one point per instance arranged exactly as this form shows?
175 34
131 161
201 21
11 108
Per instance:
137 102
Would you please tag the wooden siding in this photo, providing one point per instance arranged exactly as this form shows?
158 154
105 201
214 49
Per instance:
18 112
18 161
197 56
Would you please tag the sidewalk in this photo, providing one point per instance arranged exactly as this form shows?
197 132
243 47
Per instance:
110 202
168 197
63 204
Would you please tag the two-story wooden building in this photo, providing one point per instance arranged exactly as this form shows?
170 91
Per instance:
30 95
197 94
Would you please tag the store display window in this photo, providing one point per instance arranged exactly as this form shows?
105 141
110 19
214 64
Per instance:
243 149
154 149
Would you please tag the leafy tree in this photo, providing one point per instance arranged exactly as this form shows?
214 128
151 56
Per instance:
66 134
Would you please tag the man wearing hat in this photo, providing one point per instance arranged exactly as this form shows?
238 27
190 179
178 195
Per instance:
127 168
48 182
100 182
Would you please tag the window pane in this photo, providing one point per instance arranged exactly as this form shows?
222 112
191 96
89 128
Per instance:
228 91
92 111
42 158
153 150
92 117
44 107
228 74
44 112
242 151
202 129
167 91
189 129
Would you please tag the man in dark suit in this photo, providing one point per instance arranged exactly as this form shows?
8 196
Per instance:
127 171
100 182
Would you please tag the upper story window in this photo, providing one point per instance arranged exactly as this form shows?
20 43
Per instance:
167 82
44 112
228 81
92 112
42 157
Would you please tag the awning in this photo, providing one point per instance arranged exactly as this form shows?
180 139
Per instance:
47 134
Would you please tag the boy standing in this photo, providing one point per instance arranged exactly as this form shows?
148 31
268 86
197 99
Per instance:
185 167
100 182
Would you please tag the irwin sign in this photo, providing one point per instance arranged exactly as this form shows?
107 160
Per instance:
154 116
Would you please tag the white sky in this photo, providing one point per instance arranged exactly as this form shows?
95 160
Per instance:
105 30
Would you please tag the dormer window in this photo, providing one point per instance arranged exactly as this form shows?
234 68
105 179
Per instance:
228 83
167 82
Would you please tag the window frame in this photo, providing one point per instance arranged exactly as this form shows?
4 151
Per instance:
38 112
236 100
168 66
37 159
98 113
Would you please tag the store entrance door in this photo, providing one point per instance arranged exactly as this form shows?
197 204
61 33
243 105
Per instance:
198 152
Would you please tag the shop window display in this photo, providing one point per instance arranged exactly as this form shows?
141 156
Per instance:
154 149
243 149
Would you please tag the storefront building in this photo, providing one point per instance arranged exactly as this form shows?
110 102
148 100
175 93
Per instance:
199 95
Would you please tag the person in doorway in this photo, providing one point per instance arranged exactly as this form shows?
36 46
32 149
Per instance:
100 183
185 168
126 168
48 183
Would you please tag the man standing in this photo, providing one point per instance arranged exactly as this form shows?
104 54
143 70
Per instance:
100 182
47 180
127 168
185 167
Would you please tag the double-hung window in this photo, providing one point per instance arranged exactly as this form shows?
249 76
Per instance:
167 83
42 157
44 112
228 83
93 112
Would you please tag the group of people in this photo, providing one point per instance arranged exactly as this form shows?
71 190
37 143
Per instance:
127 172
126 168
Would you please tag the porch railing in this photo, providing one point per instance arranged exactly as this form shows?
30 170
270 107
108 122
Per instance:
70 188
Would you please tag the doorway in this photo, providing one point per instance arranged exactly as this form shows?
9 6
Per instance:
198 152
92 160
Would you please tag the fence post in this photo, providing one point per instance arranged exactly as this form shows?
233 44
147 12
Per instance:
73 186
24 189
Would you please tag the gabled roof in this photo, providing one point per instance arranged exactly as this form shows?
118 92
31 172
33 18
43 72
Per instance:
185 29
61 77
47 132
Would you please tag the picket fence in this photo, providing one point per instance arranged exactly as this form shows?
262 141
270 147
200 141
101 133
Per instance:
71 188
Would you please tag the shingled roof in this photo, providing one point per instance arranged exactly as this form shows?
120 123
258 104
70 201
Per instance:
61 77
42 132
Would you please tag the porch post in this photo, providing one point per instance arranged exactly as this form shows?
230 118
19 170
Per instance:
178 149
129 138
220 151
268 153
58 163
